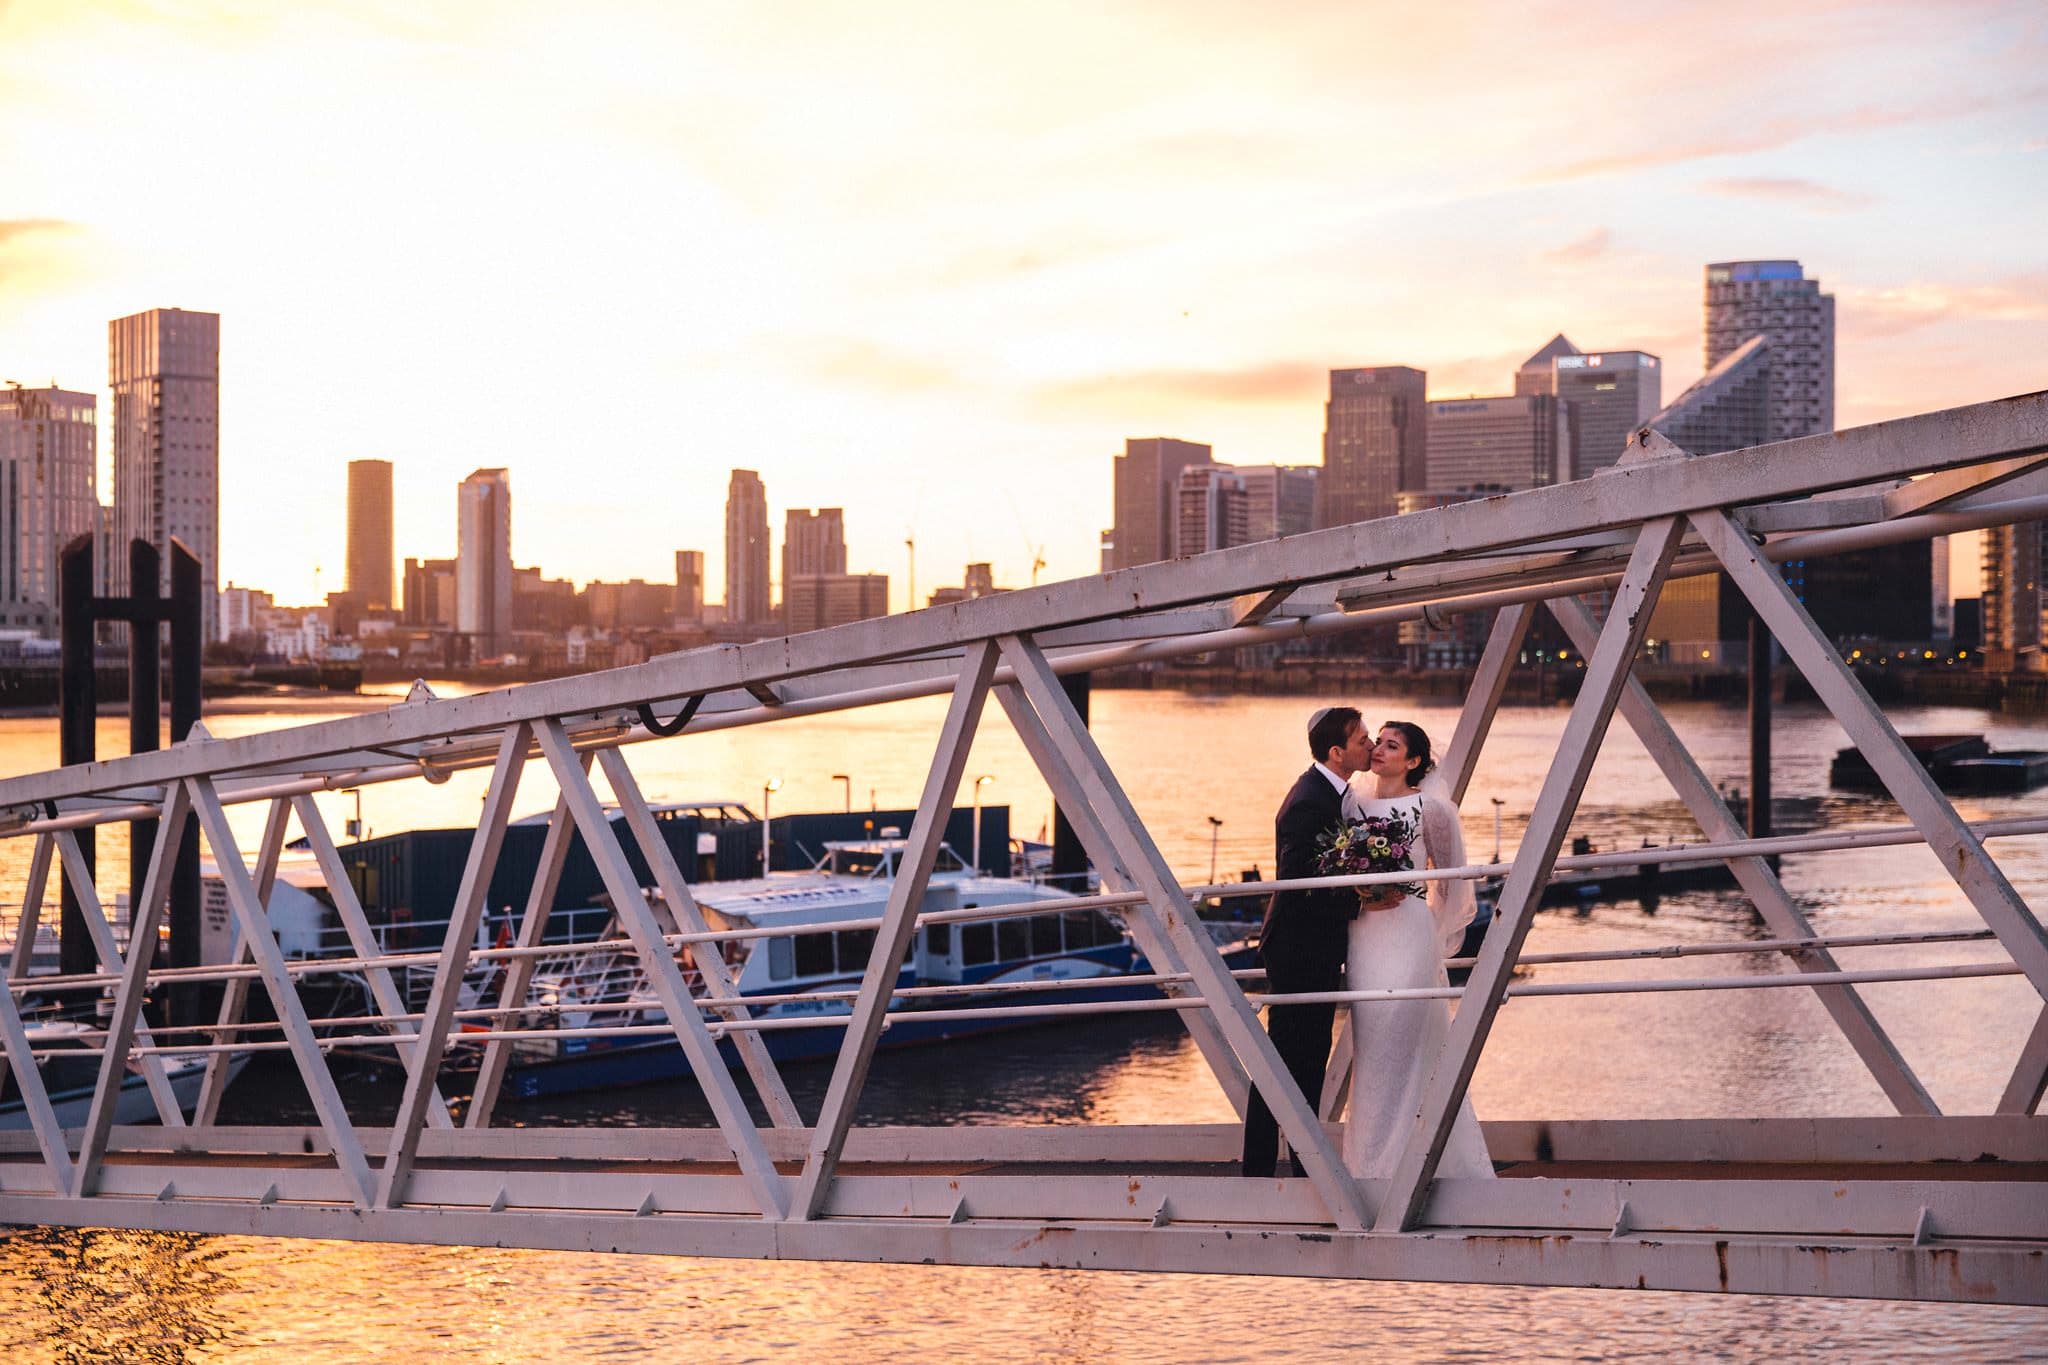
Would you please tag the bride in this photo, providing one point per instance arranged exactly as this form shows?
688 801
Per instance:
1400 941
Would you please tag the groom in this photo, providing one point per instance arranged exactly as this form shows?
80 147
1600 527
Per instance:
1303 942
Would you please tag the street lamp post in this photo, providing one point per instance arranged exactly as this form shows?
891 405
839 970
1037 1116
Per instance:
1215 828
846 783
1497 804
355 826
773 785
979 783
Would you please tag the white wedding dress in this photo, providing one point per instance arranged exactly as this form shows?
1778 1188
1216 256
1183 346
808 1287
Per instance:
1395 1043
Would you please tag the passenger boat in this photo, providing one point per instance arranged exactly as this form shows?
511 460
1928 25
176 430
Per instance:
69 1080
1068 957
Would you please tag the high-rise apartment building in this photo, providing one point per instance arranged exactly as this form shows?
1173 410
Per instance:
1147 473
812 543
1609 395
1502 444
369 535
1209 510
1775 300
483 561
164 369
689 603
430 593
48 474
746 550
1279 499
1375 443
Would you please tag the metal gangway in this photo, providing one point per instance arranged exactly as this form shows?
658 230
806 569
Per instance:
1916 1204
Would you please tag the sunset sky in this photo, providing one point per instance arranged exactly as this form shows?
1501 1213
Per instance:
933 262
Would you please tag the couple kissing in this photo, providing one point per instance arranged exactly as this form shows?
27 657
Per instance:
1362 807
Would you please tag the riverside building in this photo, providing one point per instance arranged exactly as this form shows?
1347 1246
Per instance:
48 458
1375 442
164 369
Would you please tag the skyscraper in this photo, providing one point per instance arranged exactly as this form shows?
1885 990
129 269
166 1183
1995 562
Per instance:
1775 300
48 469
1147 473
746 550
1279 499
1537 374
1209 510
369 535
1375 443
1496 443
164 369
813 542
1609 395
483 561
689 604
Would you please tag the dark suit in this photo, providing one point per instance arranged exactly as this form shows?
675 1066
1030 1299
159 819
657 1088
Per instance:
1302 947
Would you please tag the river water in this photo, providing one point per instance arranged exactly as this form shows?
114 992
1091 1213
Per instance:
90 1296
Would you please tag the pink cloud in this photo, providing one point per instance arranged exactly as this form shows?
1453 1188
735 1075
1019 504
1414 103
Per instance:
1810 194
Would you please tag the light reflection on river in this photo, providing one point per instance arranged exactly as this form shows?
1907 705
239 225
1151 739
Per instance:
68 1296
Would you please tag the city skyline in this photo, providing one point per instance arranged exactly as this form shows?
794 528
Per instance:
1180 255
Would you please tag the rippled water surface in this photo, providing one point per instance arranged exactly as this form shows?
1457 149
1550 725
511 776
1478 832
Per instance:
91 1296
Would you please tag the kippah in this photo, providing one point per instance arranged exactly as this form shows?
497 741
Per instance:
1317 718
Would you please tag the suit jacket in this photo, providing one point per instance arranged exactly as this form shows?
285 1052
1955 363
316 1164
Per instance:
1306 932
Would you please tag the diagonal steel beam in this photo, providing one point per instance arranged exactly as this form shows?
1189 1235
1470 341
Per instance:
1606 672
533 925
2030 1074
1909 783
1784 918
145 915
666 979
1147 927
234 999
101 930
384 992
254 924
25 924
1461 758
1958 849
14 1043
706 957
1234 1015
422 1067
899 924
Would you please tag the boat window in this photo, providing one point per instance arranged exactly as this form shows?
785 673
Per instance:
814 954
781 959
938 940
1013 939
1087 929
856 946
1045 935
947 861
977 944
857 862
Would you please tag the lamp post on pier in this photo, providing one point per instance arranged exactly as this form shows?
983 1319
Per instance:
979 783
846 783
1215 828
768 789
1497 804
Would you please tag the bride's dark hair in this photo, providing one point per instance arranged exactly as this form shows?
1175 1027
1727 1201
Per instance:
1417 741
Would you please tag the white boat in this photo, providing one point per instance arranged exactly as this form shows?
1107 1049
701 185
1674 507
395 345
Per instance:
69 1081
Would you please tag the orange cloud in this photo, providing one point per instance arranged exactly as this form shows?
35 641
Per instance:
1286 381
1581 250
1889 312
1811 194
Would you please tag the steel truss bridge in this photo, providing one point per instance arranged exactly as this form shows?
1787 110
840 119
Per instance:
1916 1204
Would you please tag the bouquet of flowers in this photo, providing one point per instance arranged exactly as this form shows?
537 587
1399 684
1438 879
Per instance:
1372 843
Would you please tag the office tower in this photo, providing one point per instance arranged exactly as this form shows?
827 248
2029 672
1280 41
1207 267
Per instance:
483 561
48 472
1499 444
1375 443
746 550
980 579
1146 475
1944 606
369 534
689 602
430 593
1775 300
1610 394
633 605
1437 640
2012 624
812 543
164 369
1209 510
1537 374
1279 499
813 601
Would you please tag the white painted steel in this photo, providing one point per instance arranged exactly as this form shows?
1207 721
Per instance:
234 997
